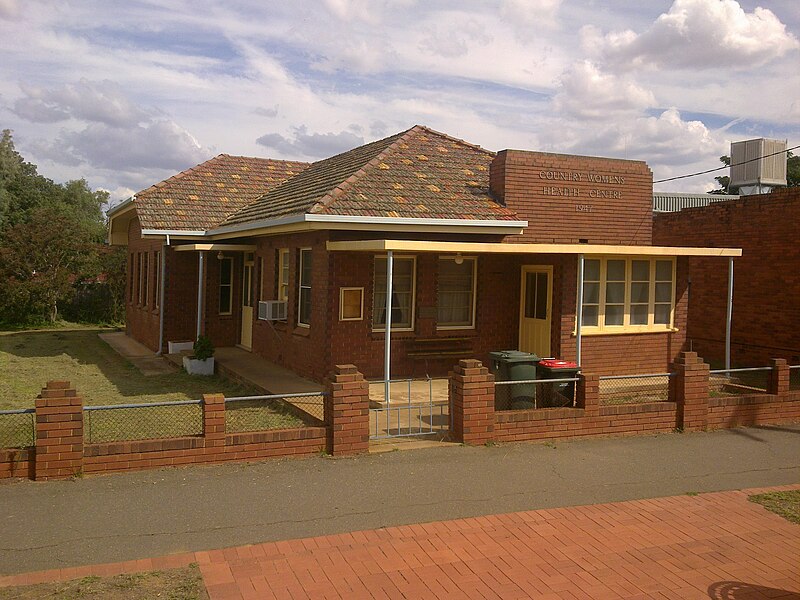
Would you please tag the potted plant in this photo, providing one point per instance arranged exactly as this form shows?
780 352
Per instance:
202 361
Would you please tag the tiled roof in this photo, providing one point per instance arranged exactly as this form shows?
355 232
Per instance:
204 196
417 173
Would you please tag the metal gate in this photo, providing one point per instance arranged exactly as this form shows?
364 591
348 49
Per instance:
416 407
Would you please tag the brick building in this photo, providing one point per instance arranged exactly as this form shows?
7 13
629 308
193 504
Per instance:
488 251
766 317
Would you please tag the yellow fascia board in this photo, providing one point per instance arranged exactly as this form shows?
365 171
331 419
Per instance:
499 248
216 247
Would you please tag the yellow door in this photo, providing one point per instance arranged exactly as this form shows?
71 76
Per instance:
536 309
247 302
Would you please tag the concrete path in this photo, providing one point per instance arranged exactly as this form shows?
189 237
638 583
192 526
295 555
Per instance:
716 545
138 515
139 355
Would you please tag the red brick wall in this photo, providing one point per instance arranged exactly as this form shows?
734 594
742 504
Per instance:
305 350
141 320
617 209
180 313
757 409
766 278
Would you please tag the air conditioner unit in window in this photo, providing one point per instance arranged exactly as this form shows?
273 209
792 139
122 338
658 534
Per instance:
272 310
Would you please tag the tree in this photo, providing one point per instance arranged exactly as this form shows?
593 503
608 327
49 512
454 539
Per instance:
49 238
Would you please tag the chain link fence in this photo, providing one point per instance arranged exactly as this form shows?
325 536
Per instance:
634 389
126 422
534 393
18 428
729 382
278 411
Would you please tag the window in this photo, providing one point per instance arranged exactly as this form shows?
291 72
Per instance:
456 293
283 274
351 304
260 276
131 277
304 295
247 281
403 289
225 285
142 278
157 286
628 294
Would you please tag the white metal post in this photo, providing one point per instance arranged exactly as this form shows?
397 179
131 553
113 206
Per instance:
161 297
200 281
579 311
387 350
729 315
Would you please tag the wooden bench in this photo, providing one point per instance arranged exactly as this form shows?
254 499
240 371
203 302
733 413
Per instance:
439 348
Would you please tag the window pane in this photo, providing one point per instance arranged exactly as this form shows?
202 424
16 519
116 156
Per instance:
305 274
225 268
663 270
455 289
590 316
615 293
402 292
640 292
639 314
591 293
615 270
305 305
591 270
640 270
615 314
664 292
530 295
541 295
662 314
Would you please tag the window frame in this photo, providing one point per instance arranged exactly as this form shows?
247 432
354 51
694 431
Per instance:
157 280
229 285
651 327
413 258
301 286
142 297
281 287
474 293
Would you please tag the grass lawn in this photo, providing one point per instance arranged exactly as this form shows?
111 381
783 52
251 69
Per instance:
102 377
173 584
785 504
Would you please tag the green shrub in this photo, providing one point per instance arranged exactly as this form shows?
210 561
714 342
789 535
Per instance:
203 348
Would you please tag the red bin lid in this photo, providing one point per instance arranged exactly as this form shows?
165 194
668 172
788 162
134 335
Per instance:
558 364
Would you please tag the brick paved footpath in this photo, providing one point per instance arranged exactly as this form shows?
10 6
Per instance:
716 545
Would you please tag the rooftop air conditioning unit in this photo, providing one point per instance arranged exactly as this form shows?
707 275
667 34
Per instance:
759 163
272 310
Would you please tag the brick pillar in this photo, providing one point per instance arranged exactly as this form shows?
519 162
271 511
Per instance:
587 394
59 432
690 391
347 411
472 402
778 382
214 420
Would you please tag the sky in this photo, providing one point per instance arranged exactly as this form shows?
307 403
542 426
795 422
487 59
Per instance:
126 93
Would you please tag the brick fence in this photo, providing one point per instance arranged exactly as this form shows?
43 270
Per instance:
690 407
61 451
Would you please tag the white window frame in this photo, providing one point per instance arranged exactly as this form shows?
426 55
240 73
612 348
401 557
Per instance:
474 260
282 291
157 286
142 299
229 285
413 258
301 287
626 327
342 291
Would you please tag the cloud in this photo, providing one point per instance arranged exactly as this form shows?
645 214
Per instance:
588 93
454 40
266 112
315 145
91 101
530 15
700 34
9 9
161 144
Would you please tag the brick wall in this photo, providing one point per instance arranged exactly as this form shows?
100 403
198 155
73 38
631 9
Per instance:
60 451
141 319
765 323
566 199
475 420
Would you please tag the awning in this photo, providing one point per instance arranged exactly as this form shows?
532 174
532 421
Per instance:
216 247
501 248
